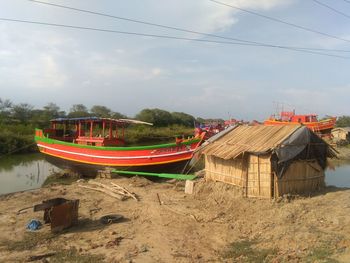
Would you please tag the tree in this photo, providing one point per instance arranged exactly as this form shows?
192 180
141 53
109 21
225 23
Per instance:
182 118
101 111
49 112
200 120
52 109
156 116
117 115
22 112
5 109
343 121
78 110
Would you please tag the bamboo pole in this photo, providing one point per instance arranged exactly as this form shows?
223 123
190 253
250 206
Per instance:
125 190
103 191
107 187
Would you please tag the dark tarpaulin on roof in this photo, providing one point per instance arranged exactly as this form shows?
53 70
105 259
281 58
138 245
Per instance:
301 145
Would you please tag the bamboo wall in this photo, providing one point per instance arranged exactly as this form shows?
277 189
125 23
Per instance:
251 173
227 171
301 177
259 176
254 176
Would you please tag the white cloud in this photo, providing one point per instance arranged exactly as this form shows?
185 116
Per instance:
44 73
203 16
258 4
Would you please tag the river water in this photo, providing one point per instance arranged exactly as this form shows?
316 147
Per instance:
29 171
24 172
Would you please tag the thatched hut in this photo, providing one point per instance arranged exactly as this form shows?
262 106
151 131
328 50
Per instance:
341 134
268 161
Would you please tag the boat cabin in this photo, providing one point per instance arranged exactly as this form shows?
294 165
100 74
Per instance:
93 131
291 117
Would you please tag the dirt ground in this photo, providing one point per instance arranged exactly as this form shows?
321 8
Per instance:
211 225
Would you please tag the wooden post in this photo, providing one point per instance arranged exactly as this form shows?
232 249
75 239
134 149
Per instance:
91 126
110 130
259 175
64 129
243 183
189 187
246 167
275 185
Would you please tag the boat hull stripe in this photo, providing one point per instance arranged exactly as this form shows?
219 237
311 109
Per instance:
116 157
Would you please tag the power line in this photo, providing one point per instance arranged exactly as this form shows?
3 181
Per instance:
347 1
280 21
164 36
331 8
182 29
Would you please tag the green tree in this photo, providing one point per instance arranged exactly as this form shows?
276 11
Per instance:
22 112
100 111
5 109
49 112
200 120
78 110
158 117
117 115
343 121
182 118
52 110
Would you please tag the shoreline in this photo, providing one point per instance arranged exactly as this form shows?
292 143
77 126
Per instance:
167 225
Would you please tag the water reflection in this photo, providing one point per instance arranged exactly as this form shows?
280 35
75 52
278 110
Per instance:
24 172
338 173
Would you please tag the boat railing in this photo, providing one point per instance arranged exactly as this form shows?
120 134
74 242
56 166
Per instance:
99 141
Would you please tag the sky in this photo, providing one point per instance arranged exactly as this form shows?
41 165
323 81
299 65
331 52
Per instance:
40 64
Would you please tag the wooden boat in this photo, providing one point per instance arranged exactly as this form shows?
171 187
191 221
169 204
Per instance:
100 142
321 127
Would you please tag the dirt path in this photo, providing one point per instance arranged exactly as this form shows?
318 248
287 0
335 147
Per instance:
212 225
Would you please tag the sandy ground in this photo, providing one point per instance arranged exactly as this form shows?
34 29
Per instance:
212 225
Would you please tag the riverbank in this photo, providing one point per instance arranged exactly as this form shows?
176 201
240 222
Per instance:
167 225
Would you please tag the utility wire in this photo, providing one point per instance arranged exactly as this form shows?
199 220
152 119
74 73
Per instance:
163 36
331 8
347 1
280 21
182 29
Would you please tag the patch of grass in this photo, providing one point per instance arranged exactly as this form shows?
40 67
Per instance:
64 178
242 251
30 241
321 254
72 255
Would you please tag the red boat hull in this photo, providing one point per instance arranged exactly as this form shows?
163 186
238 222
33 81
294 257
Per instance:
118 156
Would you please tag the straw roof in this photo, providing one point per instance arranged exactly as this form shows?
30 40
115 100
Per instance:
253 139
345 129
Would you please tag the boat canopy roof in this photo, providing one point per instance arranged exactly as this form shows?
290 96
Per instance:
98 120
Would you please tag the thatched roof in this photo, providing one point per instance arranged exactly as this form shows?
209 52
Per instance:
253 139
345 129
